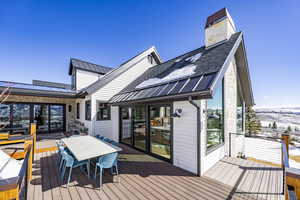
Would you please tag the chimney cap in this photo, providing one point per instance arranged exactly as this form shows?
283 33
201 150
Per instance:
216 17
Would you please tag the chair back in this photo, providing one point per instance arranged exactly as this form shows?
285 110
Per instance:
107 161
106 140
68 159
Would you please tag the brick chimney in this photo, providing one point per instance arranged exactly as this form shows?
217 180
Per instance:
219 27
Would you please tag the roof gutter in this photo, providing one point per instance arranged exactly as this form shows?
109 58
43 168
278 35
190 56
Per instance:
191 101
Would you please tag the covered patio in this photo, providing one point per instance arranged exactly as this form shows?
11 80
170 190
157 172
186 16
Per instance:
145 177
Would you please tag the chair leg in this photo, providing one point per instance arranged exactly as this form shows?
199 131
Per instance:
117 171
88 169
63 172
70 172
100 178
95 175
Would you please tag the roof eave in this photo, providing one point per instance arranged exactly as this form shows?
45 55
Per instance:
195 95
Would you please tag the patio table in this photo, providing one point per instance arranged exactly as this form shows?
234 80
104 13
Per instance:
88 147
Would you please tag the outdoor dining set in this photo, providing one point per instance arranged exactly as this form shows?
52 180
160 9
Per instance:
84 151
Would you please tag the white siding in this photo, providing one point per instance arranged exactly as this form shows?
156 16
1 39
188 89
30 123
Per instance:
116 85
110 128
208 159
84 78
185 137
87 123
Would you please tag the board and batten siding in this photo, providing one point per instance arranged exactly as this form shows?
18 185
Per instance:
185 137
85 78
110 128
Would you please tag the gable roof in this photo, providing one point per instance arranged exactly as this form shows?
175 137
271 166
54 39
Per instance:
173 79
87 66
121 69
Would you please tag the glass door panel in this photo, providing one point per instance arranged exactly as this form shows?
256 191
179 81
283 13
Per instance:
4 116
41 117
21 118
139 127
126 135
56 118
160 131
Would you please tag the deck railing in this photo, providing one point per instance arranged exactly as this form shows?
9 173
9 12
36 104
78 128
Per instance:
291 176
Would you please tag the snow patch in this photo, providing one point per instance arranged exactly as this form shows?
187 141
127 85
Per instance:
178 73
194 58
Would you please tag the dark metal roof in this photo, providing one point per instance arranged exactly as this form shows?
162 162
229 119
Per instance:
210 66
51 84
87 66
35 90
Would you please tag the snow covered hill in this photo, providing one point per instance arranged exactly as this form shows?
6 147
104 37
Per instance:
283 116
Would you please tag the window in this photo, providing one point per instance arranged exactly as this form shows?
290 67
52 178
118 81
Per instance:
78 110
150 59
88 110
103 111
215 116
73 81
239 113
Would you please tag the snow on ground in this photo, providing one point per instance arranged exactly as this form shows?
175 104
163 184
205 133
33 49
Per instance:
269 151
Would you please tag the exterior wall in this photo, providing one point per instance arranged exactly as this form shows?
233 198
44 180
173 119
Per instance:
208 159
84 78
87 123
185 137
70 116
109 128
219 32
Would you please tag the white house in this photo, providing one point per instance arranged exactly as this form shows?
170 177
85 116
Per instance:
188 111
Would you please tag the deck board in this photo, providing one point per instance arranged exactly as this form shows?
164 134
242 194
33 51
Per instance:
144 177
254 180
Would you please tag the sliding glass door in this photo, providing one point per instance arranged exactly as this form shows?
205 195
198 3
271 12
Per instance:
56 118
147 128
160 131
41 117
16 117
20 118
126 135
140 127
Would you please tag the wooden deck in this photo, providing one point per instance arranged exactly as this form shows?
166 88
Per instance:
144 177
248 178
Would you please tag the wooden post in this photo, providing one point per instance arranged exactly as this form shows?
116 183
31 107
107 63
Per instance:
286 140
28 149
33 135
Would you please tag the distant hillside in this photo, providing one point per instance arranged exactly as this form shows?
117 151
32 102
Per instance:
284 116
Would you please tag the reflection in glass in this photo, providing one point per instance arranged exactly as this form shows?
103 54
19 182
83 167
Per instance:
21 118
126 136
239 114
160 123
41 117
215 115
4 116
56 118
139 125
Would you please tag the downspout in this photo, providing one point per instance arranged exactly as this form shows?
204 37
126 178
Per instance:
191 101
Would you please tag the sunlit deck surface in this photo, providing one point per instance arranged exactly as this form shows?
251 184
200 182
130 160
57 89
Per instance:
144 177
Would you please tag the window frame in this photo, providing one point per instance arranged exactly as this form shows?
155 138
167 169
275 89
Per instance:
222 133
99 113
88 111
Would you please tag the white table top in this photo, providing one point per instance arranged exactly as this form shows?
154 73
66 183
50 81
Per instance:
87 147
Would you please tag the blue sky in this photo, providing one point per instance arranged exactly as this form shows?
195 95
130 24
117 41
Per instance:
37 38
